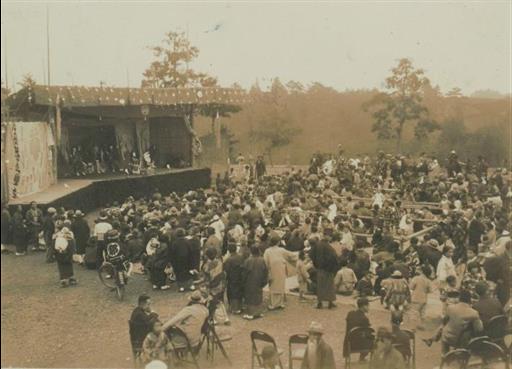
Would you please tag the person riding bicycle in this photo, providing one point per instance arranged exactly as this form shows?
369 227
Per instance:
115 252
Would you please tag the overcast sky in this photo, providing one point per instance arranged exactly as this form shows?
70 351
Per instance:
346 45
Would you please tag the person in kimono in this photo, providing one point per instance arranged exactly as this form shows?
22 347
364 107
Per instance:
276 259
64 246
233 266
255 276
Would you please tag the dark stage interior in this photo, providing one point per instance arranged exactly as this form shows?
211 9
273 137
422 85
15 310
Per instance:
90 194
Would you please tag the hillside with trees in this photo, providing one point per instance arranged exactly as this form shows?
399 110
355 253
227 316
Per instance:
320 117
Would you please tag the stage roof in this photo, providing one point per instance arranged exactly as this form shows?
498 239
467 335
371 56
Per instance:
81 96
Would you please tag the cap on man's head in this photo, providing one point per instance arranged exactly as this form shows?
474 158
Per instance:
316 328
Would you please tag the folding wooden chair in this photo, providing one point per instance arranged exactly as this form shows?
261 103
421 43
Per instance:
213 340
366 337
181 346
263 338
458 356
298 353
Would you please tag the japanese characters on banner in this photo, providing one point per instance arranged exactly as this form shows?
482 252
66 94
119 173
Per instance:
28 157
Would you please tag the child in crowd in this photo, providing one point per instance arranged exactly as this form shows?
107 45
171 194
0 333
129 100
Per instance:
303 277
345 280
364 286
450 293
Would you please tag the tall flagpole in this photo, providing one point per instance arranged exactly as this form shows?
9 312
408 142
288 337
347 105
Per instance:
5 58
48 43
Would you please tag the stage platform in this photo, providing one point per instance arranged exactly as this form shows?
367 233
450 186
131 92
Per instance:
88 194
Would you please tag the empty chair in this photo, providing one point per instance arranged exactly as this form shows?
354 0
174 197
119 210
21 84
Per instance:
456 359
259 340
296 353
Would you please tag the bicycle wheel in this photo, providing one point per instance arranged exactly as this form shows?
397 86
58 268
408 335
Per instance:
107 275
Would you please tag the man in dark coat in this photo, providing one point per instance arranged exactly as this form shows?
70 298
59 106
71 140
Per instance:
234 275
82 232
358 318
179 256
48 231
141 320
325 262
255 278
318 354
261 168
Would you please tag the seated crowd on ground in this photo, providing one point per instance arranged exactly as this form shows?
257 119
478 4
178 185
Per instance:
385 227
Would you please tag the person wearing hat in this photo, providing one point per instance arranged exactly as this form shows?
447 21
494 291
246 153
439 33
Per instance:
276 259
385 356
398 294
81 230
318 353
190 320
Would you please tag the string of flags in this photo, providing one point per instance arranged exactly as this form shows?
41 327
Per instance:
81 96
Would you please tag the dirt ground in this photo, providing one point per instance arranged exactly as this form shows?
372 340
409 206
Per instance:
85 326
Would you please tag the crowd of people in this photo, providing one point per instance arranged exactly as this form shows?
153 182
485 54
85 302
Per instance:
392 228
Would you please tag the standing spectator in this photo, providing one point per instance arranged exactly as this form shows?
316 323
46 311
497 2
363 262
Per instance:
82 232
445 267
325 262
34 218
276 258
255 278
19 232
233 267
48 231
261 168
64 245
215 278
180 257
420 287
6 227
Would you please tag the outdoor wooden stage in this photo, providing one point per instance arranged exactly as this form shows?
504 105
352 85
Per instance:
88 194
